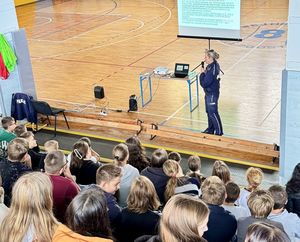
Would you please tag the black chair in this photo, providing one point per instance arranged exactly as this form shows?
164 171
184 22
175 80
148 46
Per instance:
44 108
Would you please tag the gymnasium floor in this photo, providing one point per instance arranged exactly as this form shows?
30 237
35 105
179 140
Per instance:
77 44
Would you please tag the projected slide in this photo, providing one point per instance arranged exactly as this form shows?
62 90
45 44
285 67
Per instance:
209 18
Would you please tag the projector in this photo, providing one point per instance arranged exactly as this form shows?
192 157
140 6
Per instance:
161 70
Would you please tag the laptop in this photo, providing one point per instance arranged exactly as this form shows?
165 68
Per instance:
181 70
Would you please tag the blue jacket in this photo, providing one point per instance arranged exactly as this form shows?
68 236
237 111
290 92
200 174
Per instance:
221 225
21 107
159 180
209 79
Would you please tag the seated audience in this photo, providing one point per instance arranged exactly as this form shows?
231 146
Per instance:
290 221
81 164
184 219
49 146
194 164
35 155
254 178
260 203
17 163
30 216
20 129
221 170
137 154
3 208
129 173
108 179
64 188
178 183
6 135
293 191
233 192
174 156
265 232
156 174
139 217
86 219
222 224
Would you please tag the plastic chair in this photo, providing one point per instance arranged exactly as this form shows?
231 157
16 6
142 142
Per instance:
44 108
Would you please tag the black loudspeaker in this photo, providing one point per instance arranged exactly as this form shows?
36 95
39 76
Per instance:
133 103
99 92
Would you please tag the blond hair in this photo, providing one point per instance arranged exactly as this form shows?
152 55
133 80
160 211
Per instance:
31 206
54 161
254 177
260 203
142 196
181 218
51 145
213 191
17 149
171 168
221 170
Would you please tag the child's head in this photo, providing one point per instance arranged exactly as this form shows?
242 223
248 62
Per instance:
8 123
254 177
29 136
232 191
17 149
31 209
120 154
55 162
221 170
265 232
184 219
158 158
174 156
142 196
51 145
108 177
81 151
260 203
135 142
87 214
279 196
213 191
20 129
87 140
194 163
172 169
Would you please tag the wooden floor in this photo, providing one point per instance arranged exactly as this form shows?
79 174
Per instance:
77 44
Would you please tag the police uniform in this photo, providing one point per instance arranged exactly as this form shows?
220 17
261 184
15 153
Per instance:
210 83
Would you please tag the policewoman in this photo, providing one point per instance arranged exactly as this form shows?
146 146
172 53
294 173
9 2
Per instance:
210 82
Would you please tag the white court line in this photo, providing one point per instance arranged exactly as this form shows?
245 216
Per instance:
226 71
86 32
49 21
112 43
